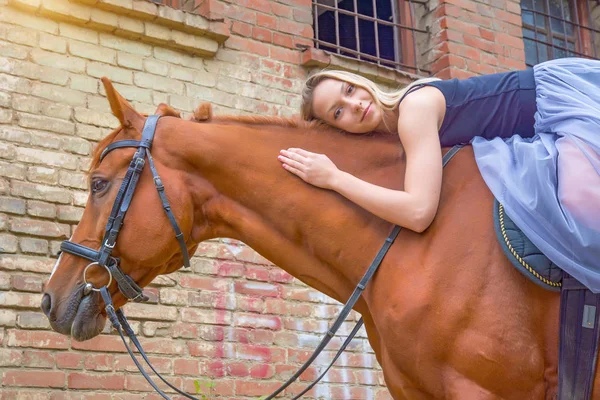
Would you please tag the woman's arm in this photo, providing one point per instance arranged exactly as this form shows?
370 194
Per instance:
414 207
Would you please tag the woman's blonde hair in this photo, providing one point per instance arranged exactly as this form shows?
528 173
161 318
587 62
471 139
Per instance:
386 100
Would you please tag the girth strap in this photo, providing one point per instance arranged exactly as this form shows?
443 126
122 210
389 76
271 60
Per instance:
578 344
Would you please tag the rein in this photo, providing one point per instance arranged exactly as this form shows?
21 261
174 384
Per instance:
132 291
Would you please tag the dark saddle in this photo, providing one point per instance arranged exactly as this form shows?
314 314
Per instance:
578 308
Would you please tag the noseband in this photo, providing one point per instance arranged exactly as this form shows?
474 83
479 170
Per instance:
132 291
103 257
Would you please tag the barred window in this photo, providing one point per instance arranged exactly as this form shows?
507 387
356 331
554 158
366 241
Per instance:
560 28
377 31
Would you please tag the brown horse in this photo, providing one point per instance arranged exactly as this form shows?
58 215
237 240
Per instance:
446 314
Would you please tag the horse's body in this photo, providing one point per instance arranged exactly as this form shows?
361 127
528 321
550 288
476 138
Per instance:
446 314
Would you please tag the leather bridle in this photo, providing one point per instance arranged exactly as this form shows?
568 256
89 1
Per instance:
103 257
132 291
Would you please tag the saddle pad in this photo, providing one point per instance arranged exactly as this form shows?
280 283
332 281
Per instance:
523 254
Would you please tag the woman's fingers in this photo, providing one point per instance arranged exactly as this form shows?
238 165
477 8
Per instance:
301 152
292 163
297 154
294 171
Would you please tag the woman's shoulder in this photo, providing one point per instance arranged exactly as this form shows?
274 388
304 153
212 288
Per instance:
428 101
426 97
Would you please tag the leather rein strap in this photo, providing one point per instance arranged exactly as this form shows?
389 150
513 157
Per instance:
132 291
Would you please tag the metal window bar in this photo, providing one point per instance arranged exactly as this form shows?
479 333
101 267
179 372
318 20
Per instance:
357 37
590 16
376 26
377 59
590 27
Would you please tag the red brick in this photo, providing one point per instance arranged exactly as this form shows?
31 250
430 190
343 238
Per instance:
302 43
250 304
10 358
39 339
298 3
163 346
508 40
258 5
270 66
38 359
478 43
241 14
27 283
99 362
253 388
69 360
266 21
96 381
184 330
213 368
125 363
202 283
211 350
286 55
242 29
511 18
262 34
282 10
295 28
466 4
139 383
281 39
285 371
246 45
487 34
257 321
262 371
213 317
257 273
211 333
260 353
260 336
282 307
101 343
228 268
44 379
186 367
237 369
257 289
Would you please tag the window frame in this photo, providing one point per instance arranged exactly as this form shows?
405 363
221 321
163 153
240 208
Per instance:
404 35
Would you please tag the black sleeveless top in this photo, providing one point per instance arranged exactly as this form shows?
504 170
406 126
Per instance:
495 105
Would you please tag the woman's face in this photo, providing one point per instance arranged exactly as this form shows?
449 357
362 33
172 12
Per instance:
345 106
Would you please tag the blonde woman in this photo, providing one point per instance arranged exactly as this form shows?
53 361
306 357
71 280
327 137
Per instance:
535 134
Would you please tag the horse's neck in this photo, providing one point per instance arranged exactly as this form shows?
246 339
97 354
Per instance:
314 234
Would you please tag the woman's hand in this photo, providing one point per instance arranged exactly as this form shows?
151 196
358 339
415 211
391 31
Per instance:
313 168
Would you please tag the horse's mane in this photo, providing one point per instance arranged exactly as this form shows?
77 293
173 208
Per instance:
203 114
285 122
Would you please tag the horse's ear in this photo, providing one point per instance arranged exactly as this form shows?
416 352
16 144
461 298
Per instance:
203 112
120 107
165 110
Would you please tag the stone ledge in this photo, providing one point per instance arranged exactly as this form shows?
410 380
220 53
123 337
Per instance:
316 58
135 19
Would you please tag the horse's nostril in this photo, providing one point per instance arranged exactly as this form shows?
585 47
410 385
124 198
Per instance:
46 304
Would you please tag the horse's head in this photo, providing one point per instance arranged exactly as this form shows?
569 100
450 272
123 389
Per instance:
146 245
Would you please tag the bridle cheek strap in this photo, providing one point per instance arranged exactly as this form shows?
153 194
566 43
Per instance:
103 257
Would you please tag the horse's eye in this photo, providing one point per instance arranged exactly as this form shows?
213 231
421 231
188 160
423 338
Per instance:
98 185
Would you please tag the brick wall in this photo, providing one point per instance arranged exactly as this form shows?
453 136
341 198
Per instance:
470 37
235 320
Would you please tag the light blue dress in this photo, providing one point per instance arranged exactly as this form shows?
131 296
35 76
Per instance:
549 184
